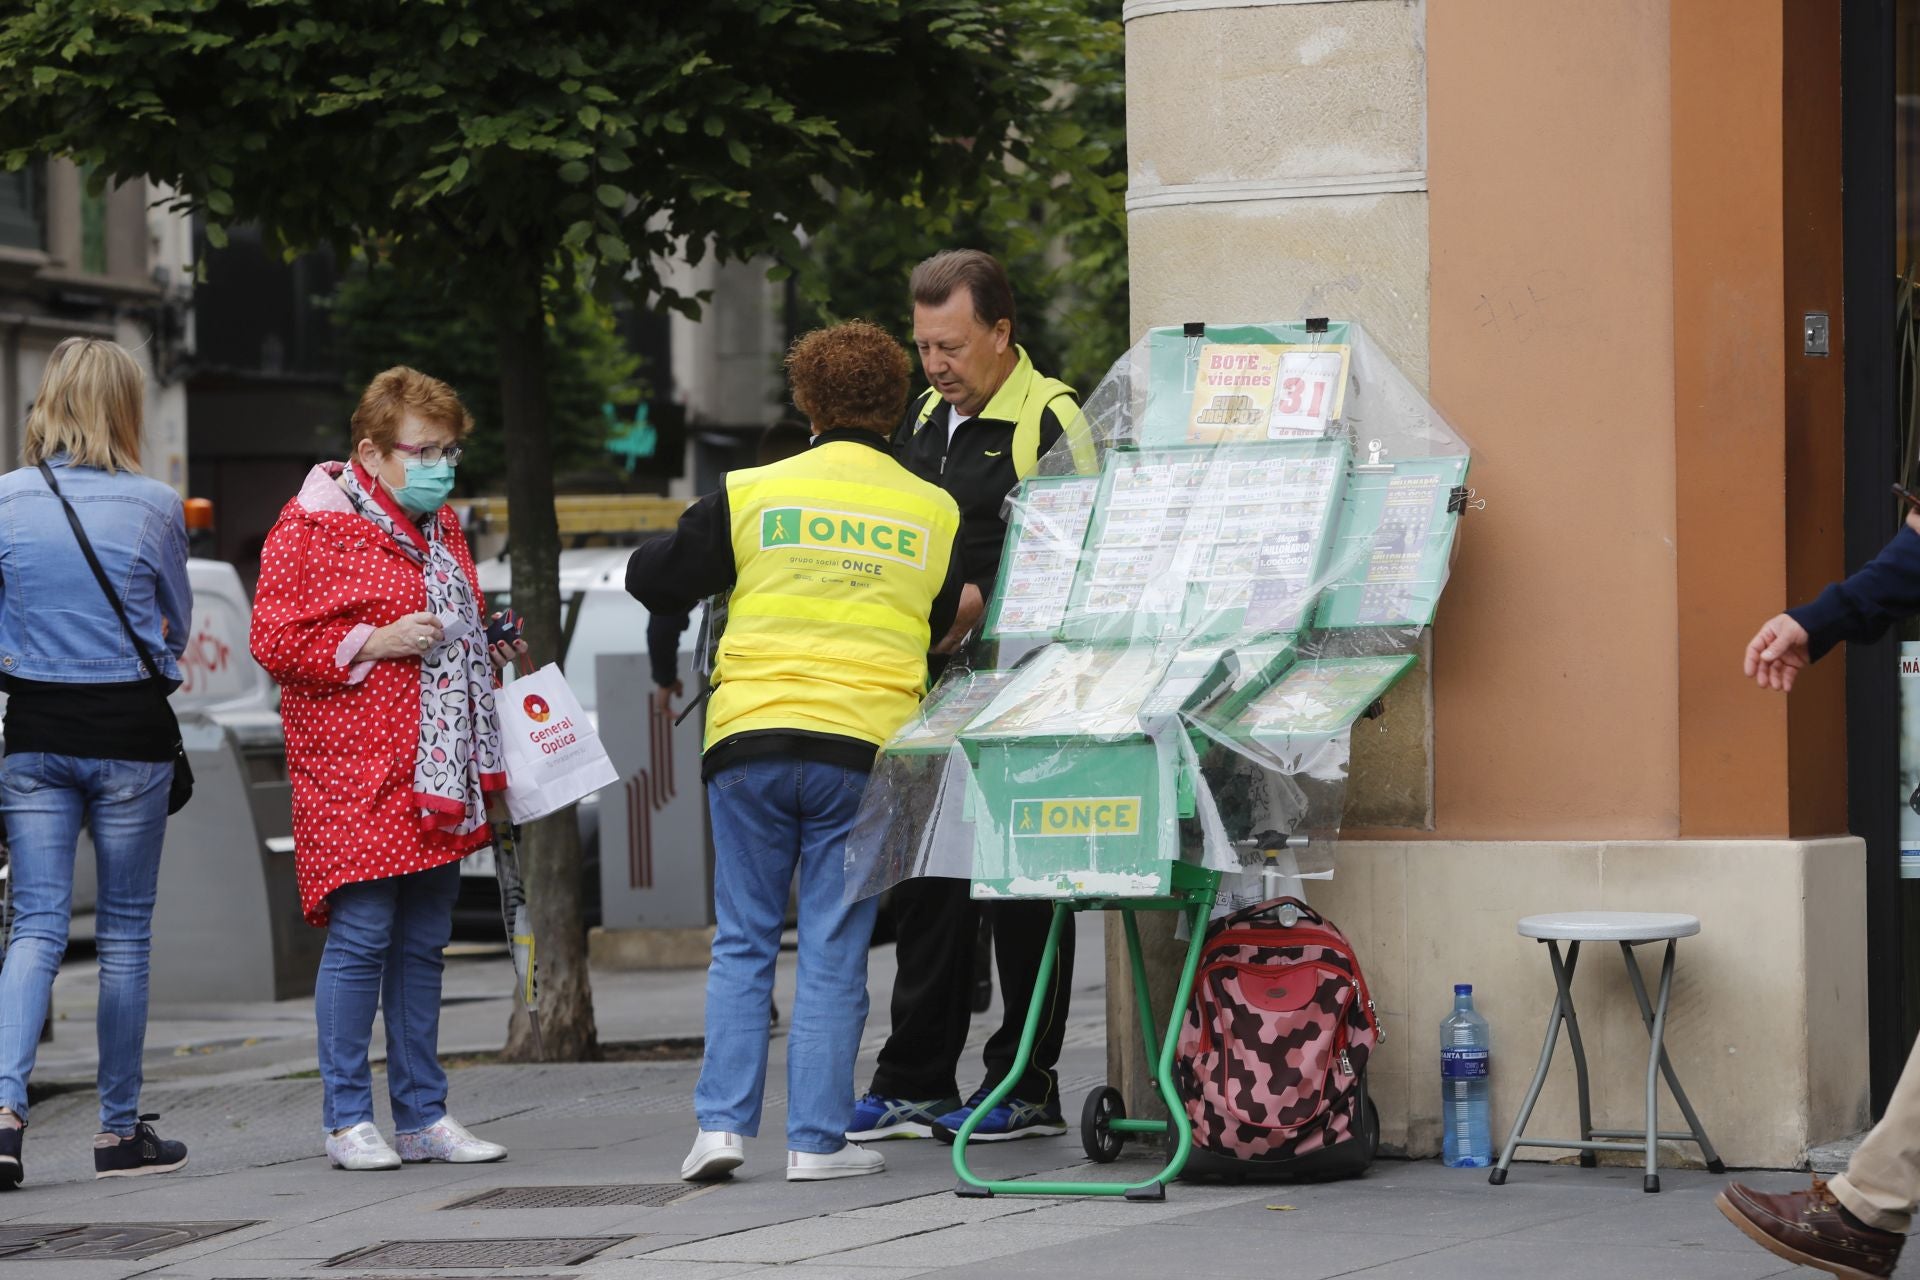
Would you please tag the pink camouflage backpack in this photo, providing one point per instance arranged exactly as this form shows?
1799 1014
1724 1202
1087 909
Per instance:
1273 1053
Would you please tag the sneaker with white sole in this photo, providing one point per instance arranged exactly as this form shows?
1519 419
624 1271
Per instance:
141 1152
849 1161
447 1139
714 1155
877 1117
360 1149
1012 1119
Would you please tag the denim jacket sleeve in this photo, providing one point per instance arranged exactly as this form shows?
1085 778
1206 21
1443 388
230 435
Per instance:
297 636
173 587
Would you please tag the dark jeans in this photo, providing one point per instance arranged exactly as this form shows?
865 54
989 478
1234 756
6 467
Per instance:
936 923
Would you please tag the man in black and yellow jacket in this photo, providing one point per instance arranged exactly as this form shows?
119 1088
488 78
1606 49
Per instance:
982 426
843 570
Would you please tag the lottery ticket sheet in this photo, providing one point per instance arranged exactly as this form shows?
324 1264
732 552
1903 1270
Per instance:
1187 626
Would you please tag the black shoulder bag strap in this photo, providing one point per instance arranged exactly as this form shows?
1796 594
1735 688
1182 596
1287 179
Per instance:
182 771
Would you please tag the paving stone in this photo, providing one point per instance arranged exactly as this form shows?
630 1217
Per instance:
970 1242
949 1209
655 1269
1686 1216
1507 1259
791 1241
1161 1250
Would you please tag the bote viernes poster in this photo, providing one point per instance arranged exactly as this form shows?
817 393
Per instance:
1233 394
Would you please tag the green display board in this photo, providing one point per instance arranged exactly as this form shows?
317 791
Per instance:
1058 819
1395 535
1189 680
1073 692
1317 698
939 721
1250 668
1073 796
1206 542
1045 531
1162 603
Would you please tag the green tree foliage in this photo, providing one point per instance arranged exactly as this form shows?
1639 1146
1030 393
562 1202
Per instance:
380 320
1058 220
514 147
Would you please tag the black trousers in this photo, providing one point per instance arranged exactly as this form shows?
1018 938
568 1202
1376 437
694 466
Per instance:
936 925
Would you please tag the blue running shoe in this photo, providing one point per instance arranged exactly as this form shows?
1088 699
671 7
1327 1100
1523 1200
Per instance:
1012 1119
876 1118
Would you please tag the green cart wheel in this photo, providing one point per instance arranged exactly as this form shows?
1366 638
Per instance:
1104 1105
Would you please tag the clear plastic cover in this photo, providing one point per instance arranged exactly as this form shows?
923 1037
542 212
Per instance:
1207 582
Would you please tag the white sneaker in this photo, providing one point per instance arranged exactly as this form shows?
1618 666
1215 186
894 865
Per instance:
714 1155
849 1161
447 1139
360 1148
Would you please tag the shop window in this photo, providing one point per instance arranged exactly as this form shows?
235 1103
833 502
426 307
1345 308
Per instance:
22 208
93 223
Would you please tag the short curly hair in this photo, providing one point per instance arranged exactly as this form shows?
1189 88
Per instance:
850 375
393 394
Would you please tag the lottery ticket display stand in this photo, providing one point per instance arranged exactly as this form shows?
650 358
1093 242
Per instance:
1158 712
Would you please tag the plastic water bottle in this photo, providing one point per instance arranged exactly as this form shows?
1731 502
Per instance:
1465 1105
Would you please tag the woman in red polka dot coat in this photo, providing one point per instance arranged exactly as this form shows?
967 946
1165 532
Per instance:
367 615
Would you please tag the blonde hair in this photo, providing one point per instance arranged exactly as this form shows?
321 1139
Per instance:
89 406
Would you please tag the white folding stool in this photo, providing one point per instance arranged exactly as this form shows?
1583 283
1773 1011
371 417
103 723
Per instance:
1629 929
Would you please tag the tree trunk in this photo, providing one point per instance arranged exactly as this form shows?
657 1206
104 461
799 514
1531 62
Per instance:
550 848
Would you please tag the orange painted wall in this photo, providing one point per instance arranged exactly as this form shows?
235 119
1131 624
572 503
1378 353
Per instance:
1730 399
1632 205
1556 665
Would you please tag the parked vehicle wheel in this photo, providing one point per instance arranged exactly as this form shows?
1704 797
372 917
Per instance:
1104 1105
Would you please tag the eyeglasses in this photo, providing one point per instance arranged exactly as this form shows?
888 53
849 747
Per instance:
432 453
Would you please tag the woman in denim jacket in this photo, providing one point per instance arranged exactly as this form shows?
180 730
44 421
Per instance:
87 738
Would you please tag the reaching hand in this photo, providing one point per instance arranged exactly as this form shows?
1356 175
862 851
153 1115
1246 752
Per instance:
972 606
1777 653
664 695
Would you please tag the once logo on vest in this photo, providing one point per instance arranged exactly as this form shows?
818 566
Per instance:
1080 816
844 531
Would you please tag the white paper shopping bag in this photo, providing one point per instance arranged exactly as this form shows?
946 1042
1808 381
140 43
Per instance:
554 756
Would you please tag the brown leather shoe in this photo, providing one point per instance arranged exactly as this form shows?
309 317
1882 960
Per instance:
1805 1227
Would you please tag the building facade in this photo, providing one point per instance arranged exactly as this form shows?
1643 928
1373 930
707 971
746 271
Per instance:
115 264
1596 235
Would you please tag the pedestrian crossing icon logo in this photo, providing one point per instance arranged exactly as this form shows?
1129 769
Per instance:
1078 816
780 528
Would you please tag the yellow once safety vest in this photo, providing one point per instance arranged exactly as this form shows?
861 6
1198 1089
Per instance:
1022 398
839 553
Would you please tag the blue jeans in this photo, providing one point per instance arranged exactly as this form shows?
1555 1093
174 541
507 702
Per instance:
771 814
386 941
44 798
